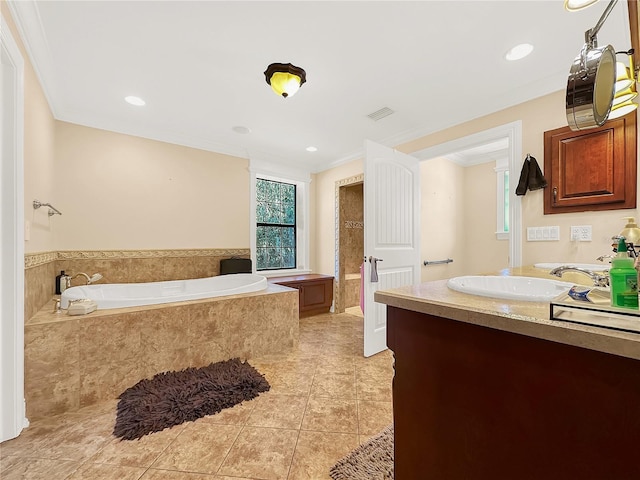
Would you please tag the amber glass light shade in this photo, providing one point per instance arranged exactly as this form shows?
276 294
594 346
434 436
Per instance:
285 79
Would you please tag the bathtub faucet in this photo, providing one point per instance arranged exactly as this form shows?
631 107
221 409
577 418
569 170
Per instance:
90 279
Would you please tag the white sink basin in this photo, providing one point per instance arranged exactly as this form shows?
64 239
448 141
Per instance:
511 288
594 267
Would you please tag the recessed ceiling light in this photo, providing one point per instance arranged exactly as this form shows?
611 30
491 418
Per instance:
133 100
312 149
575 5
241 130
519 51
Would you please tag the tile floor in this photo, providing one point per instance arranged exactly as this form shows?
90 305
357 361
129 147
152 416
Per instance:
325 400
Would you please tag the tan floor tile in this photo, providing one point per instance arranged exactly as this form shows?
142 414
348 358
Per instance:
96 471
153 474
336 365
331 415
264 453
291 383
16 468
63 437
374 416
313 389
376 369
373 388
278 411
78 441
333 385
200 448
317 452
312 348
137 453
224 477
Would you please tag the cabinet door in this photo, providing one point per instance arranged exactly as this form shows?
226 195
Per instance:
591 169
315 295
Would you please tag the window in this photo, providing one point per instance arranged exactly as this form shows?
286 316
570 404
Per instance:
279 218
275 225
502 175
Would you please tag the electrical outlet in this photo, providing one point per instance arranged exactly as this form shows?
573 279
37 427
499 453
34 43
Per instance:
581 233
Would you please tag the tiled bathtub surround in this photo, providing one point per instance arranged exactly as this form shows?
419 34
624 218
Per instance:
73 362
118 266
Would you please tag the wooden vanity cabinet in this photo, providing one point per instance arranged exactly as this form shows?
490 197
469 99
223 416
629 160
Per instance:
592 169
316 291
471 402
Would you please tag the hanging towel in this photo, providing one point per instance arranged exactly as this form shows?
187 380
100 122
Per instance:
524 177
536 179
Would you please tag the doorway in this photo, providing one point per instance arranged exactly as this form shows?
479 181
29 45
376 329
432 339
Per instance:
12 407
349 250
511 135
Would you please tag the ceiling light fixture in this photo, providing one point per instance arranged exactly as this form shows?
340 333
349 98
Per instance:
575 5
519 51
591 82
133 100
312 149
285 79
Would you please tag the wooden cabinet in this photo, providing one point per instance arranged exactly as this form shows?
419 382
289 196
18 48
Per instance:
591 169
316 291
471 402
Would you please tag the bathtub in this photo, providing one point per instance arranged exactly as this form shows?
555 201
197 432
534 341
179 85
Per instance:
118 295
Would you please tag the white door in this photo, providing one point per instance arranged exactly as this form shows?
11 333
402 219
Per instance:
391 233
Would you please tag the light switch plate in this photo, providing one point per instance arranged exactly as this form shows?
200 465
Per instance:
543 234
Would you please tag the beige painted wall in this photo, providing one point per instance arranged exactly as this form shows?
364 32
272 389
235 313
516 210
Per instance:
38 152
122 192
442 217
483 251
537 116
458 220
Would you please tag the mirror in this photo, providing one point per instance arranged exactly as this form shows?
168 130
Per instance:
591 87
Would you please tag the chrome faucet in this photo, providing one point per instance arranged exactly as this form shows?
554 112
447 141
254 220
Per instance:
90 279
599 279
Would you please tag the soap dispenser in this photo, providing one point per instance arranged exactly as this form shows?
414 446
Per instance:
623 279
61 283
631 231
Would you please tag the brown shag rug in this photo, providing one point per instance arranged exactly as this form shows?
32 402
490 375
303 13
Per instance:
172 398
373 460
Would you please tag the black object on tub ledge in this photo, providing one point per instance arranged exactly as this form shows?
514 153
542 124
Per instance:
235 265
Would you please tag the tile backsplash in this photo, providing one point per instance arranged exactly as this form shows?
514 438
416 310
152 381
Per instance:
118 266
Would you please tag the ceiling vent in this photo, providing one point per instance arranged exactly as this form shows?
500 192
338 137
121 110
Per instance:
383 112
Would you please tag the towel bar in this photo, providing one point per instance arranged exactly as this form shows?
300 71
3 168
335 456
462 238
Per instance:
437 262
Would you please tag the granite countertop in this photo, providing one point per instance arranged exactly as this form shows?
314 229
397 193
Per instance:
520 317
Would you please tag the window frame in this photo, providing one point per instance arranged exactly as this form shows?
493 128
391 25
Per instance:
301 179
280 225
502 197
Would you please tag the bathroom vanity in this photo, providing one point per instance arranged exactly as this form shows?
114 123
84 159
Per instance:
492 389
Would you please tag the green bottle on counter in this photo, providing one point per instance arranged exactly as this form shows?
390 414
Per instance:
623 279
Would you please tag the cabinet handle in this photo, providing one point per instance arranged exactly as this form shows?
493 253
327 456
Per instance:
555 195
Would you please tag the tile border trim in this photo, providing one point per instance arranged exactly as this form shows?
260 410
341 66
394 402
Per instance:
35 259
